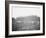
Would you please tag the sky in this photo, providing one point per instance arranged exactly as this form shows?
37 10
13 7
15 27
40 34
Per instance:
25 10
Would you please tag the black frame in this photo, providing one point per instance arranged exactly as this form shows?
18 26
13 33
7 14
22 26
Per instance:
7 18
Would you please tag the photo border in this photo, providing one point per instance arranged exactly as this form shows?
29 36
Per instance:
7 18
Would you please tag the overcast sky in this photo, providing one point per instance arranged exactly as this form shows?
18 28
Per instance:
20 10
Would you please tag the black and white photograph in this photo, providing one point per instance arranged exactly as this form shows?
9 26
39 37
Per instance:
25 18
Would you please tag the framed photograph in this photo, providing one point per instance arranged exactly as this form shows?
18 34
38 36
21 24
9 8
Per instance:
24 18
